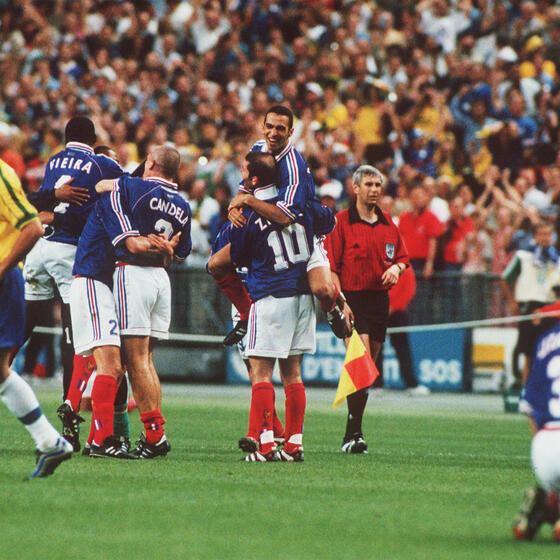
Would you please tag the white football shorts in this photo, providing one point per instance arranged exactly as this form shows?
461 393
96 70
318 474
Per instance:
47 265
143 297
319 255
281 327
545 456
94 316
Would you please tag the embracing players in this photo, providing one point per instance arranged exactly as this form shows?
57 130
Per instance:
295 189
48 266
281 322
141 285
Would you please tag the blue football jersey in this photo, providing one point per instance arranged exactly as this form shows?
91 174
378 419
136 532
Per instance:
542 390
223 238
276 258
295 182
144 206
78 162
95 257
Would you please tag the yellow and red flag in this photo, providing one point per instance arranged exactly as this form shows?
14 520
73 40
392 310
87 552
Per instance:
359 370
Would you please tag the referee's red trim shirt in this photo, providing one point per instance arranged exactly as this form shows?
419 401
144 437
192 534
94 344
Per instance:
360 252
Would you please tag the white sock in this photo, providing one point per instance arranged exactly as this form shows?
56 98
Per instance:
21 401
296 439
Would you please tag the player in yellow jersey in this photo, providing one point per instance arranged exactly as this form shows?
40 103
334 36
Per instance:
20 229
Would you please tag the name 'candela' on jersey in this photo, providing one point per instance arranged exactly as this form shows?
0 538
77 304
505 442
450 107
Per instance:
70 163
169 208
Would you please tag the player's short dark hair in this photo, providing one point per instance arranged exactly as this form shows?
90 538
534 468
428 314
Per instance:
281 110
263 166
167 159
80 129
105 150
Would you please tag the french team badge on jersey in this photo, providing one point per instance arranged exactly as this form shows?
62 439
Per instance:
390 250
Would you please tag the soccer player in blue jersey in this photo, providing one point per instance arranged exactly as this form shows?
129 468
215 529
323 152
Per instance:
141 286
541 402
94 316
295 189
19 231
49 264
282 319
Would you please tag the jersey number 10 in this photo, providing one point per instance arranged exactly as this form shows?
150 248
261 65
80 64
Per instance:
289 245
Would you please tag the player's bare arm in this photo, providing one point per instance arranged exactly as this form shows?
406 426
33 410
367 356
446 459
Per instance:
265 209
150 244
105 186
73 195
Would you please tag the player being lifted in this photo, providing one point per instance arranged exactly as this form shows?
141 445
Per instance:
295 189
281 322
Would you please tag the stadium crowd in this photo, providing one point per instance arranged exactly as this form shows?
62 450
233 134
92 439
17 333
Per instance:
460 98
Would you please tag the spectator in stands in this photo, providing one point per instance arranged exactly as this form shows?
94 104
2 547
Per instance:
420 229
454 238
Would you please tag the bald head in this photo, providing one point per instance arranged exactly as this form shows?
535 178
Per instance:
166 159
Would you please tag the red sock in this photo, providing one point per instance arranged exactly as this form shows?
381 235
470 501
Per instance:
253 431
91 432
277 424
254 427
83 368
262 406
236 292
102 402
329 305
295 412
153 425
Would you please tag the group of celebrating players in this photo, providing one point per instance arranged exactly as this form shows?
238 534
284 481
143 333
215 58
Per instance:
108 236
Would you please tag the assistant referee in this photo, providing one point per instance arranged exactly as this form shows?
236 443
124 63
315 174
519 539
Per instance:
367 256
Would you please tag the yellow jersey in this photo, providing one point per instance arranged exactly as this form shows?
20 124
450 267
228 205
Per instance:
369 126
15 210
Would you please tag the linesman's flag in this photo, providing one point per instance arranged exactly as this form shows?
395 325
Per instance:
359 370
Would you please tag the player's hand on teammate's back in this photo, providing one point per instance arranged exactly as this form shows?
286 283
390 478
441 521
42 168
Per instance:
73 195
175 239
164 247
236 217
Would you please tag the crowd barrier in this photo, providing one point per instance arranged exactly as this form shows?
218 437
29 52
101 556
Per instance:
460 335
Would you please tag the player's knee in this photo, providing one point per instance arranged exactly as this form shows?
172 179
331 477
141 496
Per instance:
213 267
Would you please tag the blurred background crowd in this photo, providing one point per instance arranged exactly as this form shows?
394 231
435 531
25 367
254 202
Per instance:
456 101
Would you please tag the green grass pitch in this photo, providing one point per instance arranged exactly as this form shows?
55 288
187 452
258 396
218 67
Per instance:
443 479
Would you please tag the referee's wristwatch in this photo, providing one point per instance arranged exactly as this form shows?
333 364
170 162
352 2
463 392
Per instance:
401 268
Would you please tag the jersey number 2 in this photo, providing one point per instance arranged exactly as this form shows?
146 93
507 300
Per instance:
165 227
289 246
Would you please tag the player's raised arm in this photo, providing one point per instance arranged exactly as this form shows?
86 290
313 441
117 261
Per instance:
269 211
107 185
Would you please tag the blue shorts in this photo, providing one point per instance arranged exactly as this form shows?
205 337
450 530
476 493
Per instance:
12 310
